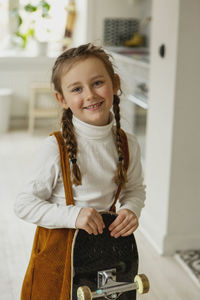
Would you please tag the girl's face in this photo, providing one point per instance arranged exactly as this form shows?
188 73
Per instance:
88 91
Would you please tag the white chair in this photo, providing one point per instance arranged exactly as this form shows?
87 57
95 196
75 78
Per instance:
42 104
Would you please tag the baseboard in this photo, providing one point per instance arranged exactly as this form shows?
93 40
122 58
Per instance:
164 243
180 242
150 230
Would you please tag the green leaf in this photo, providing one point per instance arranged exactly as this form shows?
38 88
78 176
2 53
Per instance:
44 4
45 8
19 20
23 38
31 32
30 8
15 13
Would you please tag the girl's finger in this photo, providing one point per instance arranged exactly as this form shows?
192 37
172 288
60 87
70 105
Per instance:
99 224
129 227
88 229
94 227
121 226
116 222
130 231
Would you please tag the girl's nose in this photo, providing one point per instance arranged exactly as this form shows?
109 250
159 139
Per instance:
89 94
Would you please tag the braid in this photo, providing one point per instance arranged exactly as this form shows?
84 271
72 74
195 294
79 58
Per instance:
120 174
62 65
71 143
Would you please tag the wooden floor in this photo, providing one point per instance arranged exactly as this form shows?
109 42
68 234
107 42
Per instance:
168 280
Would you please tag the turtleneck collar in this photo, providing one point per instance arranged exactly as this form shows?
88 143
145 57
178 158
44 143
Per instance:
91 131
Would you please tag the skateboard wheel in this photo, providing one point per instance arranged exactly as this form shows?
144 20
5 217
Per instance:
84 293
143 283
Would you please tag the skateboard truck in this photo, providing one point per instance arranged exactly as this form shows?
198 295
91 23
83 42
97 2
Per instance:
106 278
110 289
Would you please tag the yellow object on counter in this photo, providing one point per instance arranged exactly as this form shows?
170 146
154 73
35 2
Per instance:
136 41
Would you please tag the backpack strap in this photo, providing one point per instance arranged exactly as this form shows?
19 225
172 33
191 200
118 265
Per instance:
67 238
64 160
126 164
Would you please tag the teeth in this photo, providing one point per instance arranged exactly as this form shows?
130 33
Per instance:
93 106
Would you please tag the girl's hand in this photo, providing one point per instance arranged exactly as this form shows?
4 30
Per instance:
125 223
90 220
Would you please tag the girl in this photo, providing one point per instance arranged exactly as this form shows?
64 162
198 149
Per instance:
87 88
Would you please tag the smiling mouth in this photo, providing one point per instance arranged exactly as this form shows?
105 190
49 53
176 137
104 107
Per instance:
94 106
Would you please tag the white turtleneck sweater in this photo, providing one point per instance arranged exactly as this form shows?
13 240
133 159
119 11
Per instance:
42 199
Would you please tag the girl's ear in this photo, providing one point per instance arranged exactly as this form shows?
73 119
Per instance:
116 85
61 100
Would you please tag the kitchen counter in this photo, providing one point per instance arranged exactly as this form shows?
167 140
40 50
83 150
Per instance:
136 56
132 64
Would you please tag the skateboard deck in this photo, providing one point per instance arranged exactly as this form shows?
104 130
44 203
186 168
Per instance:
96 253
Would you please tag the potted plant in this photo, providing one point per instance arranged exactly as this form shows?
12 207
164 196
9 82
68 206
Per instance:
27 17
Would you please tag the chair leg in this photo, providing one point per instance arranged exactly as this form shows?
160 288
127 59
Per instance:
31 123
31 113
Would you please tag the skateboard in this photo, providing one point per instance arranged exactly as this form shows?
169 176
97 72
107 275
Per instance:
105 267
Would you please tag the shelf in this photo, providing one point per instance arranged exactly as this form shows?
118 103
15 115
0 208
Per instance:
138 99
136 56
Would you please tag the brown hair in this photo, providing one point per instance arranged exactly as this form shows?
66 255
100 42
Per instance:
68 58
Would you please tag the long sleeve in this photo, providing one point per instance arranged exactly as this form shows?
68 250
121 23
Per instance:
133 196
37 202
42 198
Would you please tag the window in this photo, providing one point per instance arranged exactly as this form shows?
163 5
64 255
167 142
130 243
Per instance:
51 28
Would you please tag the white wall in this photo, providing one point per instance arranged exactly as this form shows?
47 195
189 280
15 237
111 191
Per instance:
91 13
18 73
111 8
184 206
171 217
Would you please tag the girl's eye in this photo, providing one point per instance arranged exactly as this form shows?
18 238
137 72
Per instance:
76 90
97 83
